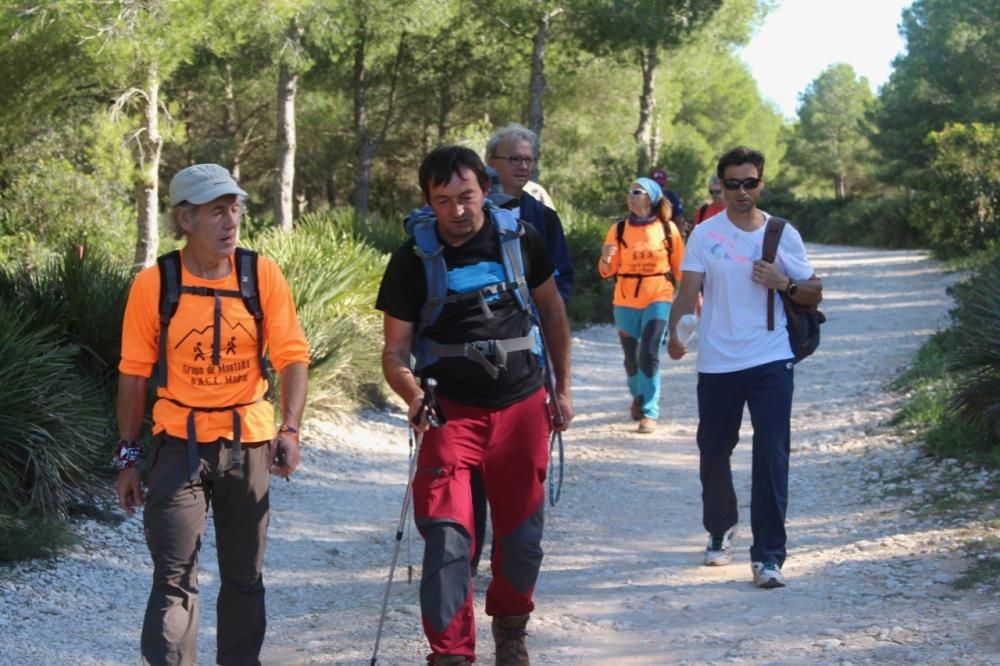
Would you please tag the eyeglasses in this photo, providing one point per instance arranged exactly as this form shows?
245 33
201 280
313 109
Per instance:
735 183
638 192
715 192
514 160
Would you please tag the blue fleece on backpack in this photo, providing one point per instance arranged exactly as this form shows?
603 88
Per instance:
473 278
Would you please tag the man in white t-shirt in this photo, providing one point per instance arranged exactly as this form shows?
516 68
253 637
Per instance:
741 362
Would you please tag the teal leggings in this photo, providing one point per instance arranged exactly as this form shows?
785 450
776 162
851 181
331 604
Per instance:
641 333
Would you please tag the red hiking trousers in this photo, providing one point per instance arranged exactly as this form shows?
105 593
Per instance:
509 446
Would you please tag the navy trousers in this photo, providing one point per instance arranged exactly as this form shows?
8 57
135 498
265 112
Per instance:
767 391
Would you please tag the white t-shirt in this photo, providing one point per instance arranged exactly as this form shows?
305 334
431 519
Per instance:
733 331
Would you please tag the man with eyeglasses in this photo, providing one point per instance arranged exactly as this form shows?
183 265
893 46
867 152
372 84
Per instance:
511 151
743 362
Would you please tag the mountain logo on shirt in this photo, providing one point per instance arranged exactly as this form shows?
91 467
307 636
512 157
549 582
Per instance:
202 350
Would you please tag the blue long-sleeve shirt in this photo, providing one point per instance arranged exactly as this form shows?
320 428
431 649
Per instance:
546 221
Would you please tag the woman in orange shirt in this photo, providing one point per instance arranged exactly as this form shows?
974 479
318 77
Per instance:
643 252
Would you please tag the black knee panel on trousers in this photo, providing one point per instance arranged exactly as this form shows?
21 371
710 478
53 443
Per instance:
629 346
649 350
445 583
522 551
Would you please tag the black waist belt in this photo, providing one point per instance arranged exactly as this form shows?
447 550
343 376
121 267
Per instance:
192 436
479 350
669 275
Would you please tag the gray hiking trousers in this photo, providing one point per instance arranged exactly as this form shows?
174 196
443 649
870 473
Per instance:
174 522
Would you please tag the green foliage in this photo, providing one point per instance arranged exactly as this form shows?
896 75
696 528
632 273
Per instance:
857 221
831 139
975 360
333 276
961 190
927 411
953 385
946 75
80 300
985 567
53 424
25 535
591 299
47 202
605 27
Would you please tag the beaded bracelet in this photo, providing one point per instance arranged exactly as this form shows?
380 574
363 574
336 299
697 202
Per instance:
128 454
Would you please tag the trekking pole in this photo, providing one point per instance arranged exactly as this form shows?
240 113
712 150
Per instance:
430 410
555 491
409 526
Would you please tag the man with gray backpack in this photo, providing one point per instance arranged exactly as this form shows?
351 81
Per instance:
458 296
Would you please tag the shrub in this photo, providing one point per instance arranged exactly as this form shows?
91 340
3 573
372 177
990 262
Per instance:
79 301
24 535
334 277
863 222
976 357
592 295
53 424
961 190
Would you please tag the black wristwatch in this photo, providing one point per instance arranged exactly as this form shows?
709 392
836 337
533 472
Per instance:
792 287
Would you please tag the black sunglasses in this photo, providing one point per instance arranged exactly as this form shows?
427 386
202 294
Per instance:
735 183
637 192
714 192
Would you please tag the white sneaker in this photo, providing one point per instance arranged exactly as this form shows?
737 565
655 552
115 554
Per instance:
767 575
719 550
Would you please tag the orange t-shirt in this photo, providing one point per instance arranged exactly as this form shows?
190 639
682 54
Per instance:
711 209
192 379
643 253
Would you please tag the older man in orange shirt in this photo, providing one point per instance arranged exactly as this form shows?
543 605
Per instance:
204 318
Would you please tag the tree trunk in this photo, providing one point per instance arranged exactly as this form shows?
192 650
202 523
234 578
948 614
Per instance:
536 85
233 126
368 142
148 147
840 186
444 109
644 135
362 172
288 80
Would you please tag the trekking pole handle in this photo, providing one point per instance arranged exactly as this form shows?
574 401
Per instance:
429 407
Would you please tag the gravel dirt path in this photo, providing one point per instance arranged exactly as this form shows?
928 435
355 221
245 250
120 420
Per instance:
870 574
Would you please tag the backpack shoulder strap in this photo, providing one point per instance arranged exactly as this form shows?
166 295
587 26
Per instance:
769 251
423 228
668 239
169 265
620 232
511 231
249 281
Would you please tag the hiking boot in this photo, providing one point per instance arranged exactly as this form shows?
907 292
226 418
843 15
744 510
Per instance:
636 409
719 550
509 632
450 660
646 425
767 575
